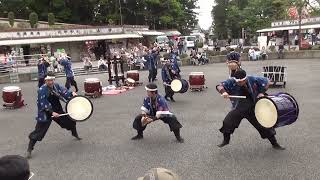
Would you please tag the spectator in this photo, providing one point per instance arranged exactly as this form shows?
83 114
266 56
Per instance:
87 64
252 54
263 53
14 167
160 174
280 51
102 65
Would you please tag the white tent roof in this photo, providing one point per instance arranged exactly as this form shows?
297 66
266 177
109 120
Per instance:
289 28
151 33
67 39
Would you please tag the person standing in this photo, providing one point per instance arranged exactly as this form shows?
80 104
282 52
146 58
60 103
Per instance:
65 61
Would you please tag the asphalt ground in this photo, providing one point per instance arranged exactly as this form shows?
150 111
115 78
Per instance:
106 151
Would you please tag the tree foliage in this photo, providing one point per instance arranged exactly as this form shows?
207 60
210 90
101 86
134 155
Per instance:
158 14
11 18
231 16
51 19
33 19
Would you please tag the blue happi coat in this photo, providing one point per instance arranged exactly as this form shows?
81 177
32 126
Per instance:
162 109
151 61
66 63
44 105
165 74
256 85
42 69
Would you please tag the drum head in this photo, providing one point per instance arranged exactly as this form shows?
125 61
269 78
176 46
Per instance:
176 85
88 80
266 112
11 89
131 81
79 108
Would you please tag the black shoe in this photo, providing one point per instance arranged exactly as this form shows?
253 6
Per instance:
75 134
180 139
224 143
226 140
137 137
167 98
172 99
278 147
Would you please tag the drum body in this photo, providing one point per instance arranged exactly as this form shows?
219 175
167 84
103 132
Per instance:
134 74
12 96
277 110
92 87
79 108
179 85
196 80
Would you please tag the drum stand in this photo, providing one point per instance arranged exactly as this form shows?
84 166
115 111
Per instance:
115 75
198 87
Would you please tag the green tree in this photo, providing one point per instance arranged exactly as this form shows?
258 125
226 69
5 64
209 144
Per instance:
51 19
33 19
11 18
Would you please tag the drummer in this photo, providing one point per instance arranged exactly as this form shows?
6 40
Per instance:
252 87
49 108
65 61
42 70
155 107
167 77
233 57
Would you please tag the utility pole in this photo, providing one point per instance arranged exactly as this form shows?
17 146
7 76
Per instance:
121 22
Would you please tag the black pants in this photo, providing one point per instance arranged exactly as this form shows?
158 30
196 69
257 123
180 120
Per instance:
234 117
40 82
171 121
152 75
42 127
70 81
168 90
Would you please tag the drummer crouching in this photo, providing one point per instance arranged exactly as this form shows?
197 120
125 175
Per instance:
252 88
154 108
49 108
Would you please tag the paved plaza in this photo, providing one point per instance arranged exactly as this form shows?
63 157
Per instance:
107 153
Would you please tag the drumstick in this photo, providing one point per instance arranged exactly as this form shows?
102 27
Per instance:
239 97
63 114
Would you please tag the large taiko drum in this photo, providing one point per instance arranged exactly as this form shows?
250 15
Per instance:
133 74
196 80
93 87
79 108
12 96
276 110
179 85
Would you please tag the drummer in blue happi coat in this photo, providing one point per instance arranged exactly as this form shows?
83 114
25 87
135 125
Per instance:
168 75
49 108
252 88
65 61
154 108
42 70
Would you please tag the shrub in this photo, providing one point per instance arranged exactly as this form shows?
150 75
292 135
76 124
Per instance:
11 18
51 19
33 19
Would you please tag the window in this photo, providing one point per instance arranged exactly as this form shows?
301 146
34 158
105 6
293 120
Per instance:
190 38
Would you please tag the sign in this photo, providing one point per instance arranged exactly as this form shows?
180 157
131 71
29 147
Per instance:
313 20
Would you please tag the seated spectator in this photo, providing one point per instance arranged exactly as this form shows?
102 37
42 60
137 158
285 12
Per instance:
252 54
14 167
160 174
102 65
87 64
263 53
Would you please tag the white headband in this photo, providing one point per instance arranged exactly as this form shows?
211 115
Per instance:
49 78
148 89
237 80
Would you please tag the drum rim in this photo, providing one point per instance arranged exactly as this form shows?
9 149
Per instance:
93 80
66 109
265 97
